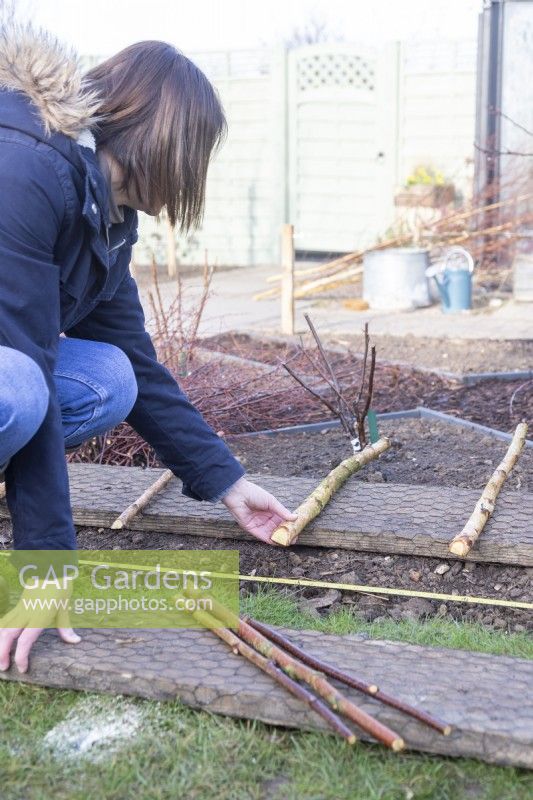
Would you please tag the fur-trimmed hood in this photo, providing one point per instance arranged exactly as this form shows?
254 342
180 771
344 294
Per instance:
35 62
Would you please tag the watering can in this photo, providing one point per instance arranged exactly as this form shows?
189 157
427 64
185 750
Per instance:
453 276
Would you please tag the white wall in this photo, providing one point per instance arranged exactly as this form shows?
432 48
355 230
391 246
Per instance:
437 99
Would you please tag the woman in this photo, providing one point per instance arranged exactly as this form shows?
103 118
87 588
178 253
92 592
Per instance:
78 159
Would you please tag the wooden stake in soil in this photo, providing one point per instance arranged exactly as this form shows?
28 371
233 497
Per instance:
301 692
464 541
287 281
287 533
132 510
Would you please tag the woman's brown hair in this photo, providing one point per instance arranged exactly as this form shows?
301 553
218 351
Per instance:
162 119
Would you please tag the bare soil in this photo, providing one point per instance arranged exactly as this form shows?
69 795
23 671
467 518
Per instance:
459 356
494 403
422 452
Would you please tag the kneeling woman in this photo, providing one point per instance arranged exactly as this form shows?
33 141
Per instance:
78 159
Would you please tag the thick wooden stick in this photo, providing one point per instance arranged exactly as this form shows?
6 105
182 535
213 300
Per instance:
301 692
464 541
131 511
349 680
297 669
311 507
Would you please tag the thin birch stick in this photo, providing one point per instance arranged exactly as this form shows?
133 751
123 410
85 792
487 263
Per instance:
311 507
313 286
132 510
349 680
2 490
324 283
464 541
301 692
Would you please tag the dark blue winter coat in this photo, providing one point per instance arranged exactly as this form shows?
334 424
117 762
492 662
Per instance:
62 269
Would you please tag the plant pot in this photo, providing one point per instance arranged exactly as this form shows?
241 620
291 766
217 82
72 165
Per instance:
395 279
425 196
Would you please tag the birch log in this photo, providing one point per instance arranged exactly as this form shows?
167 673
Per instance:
311 507
464 541
131 511
2 491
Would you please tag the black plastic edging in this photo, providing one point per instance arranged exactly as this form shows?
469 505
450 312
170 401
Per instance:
478 377
412 413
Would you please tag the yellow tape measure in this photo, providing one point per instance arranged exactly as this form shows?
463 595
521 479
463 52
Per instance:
354 587
345 587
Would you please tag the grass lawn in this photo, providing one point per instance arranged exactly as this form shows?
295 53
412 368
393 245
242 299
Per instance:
169 751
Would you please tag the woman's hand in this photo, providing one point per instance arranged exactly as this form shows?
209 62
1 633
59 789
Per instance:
24 625
256 510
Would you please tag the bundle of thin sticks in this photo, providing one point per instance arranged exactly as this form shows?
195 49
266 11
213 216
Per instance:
490 230
296 670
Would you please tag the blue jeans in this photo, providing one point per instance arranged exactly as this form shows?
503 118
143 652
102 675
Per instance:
95 384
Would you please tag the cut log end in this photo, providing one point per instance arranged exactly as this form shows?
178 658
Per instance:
117 525
398 745
373 689
459 548
447 730
281 536
352 739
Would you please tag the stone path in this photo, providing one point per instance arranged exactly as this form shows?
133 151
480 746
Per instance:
231 307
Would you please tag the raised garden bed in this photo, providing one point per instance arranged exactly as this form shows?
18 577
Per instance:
422 453
450 355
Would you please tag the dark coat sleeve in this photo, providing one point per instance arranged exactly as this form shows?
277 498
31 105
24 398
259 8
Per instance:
32 207
162 415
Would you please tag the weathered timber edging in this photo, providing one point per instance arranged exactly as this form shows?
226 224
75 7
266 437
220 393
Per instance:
490 709
380 518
